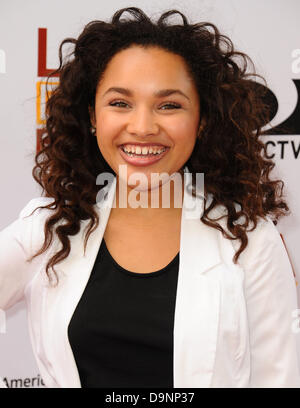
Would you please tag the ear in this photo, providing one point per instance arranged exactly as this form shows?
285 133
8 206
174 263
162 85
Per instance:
202 125
92 116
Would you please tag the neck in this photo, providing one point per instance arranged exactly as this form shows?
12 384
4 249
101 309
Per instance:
161 203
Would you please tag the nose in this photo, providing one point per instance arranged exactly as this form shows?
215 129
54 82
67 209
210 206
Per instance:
142 122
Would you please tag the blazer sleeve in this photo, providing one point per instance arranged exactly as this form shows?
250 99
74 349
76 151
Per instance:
271 298
17 242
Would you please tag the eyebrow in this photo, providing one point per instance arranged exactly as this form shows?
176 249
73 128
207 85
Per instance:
161 93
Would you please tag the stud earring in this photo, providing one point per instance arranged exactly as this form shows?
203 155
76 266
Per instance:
200 130
93 130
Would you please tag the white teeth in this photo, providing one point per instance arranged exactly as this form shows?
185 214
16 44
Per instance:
144 150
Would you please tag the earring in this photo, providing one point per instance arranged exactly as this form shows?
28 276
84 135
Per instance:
200 131
93 130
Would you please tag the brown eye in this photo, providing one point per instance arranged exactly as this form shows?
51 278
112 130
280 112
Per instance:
121 104
172 106
118 103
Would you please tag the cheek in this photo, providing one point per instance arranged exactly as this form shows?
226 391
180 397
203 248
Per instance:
184 133
107 129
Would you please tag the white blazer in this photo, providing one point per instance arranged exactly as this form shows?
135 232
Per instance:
233 323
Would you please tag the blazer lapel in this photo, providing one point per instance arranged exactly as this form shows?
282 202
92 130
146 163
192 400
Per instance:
61 302
197 299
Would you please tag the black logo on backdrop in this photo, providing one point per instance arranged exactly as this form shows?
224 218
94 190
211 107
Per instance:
290 126
280 146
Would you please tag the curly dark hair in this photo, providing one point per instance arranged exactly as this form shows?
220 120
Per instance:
228 150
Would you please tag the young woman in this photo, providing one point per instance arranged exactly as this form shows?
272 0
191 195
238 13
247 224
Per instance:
195 293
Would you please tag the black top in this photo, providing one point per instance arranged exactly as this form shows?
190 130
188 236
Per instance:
121 332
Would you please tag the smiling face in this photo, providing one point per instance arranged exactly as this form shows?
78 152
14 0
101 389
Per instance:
134 111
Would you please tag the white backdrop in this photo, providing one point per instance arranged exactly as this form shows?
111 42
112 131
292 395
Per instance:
268 31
